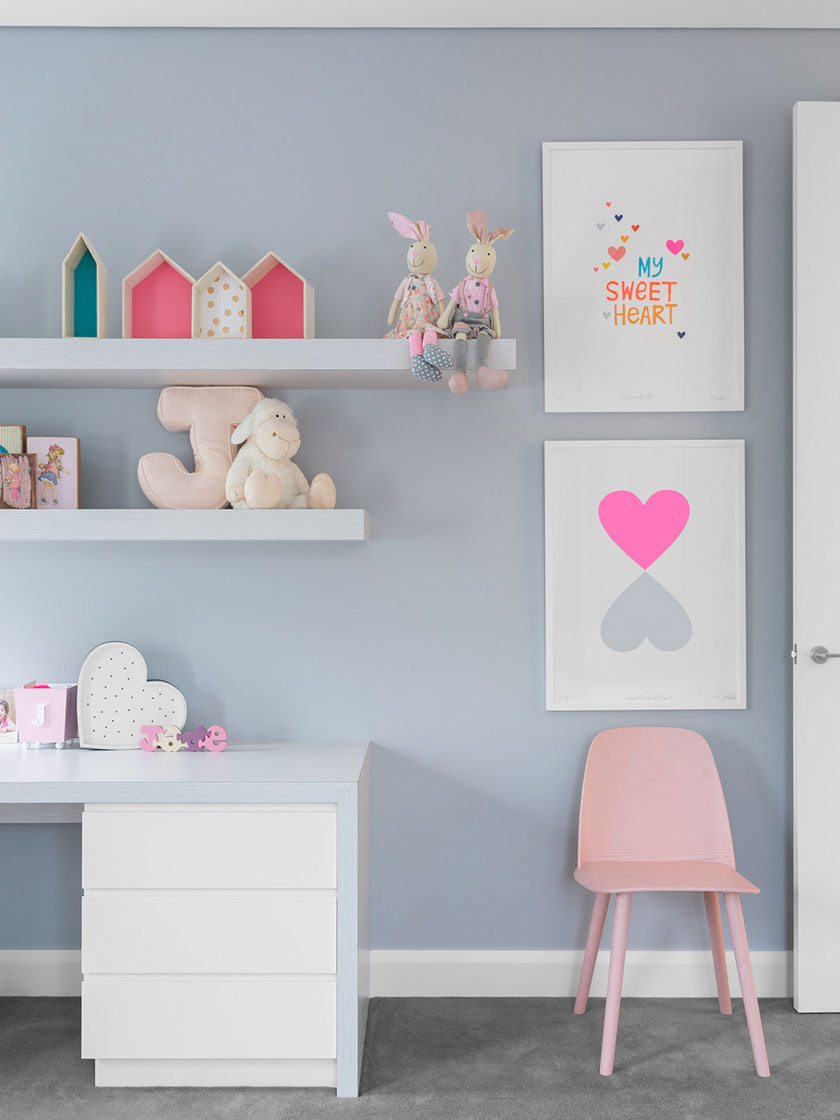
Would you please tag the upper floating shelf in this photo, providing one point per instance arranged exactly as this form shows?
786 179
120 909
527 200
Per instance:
267 363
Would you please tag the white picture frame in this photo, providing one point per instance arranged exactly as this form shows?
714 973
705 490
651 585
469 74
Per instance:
643 276
645 575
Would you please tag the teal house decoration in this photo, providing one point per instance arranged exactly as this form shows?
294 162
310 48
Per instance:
84 292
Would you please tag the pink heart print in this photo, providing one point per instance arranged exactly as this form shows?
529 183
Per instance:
674 246
644 530
618 253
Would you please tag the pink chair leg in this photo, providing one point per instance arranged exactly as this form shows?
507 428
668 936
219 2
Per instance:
593 943
742 959
718 950
621 923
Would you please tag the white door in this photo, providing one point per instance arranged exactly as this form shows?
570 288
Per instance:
816 557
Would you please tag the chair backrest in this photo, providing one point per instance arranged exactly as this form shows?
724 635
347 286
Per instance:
652 793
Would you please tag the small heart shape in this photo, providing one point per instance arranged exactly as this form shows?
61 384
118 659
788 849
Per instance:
607 314
674 246
680 334
605 264
625 237
685 256
646 610
618 217
644 530
609 204
635 229
600 225
594 268
616 252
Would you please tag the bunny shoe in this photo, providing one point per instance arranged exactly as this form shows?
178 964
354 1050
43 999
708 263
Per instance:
491 378
423 369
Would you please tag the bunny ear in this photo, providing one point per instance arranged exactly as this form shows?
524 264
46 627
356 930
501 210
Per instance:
403 226
500 234
477 224
425 230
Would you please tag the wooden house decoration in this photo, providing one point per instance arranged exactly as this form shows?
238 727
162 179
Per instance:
84 292
158 299
221 305
282 301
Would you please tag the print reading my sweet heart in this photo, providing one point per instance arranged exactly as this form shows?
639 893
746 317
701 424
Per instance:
647 301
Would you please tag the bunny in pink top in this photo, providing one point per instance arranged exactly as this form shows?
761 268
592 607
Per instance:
419 301
474 306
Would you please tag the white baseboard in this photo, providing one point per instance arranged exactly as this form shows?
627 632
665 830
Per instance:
467 972
647 973
40 972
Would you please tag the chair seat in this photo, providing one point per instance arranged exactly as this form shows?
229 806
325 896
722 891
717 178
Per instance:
662 875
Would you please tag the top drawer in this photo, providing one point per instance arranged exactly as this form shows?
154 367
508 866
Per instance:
226 846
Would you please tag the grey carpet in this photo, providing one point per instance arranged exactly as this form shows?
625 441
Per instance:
472 1059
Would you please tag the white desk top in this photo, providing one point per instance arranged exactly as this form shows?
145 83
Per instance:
244 772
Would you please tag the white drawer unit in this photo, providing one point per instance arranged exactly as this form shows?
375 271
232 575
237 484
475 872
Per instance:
209 935
224 913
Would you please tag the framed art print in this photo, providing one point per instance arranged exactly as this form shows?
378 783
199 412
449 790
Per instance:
645 595
644 276
17 481
57 474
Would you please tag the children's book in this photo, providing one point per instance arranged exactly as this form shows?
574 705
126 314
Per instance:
12 438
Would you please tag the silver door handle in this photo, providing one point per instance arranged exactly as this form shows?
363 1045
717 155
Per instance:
819 655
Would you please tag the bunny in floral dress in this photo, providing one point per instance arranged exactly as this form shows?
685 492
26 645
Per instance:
418 303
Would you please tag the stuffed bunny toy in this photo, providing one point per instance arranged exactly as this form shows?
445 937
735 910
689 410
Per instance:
419 300
263 475
476 307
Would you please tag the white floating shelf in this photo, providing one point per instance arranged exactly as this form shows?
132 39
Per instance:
53 525
267 363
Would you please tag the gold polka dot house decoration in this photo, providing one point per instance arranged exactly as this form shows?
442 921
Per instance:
216 296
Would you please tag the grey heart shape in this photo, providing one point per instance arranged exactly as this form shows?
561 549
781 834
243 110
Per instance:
645 610
600 225
607 314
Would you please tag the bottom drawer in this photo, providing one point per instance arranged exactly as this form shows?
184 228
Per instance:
208 1019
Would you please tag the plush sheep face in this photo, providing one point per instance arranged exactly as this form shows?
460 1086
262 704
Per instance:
278 437
481 260
273 428
422 258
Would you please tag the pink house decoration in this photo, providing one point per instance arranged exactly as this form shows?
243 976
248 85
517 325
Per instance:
221 305
282 301
157 299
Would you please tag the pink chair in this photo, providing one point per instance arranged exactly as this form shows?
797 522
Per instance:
653 818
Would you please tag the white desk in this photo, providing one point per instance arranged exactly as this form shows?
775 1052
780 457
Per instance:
225 934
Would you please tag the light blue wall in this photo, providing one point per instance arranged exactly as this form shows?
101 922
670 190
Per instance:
429 640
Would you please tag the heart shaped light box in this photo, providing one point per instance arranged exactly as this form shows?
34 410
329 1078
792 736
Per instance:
116 698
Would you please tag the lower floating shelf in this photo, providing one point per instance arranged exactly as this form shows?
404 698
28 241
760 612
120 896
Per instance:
53 525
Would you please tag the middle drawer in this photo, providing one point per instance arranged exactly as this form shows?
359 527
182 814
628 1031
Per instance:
149 932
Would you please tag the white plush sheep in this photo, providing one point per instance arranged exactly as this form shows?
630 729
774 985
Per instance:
263 475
